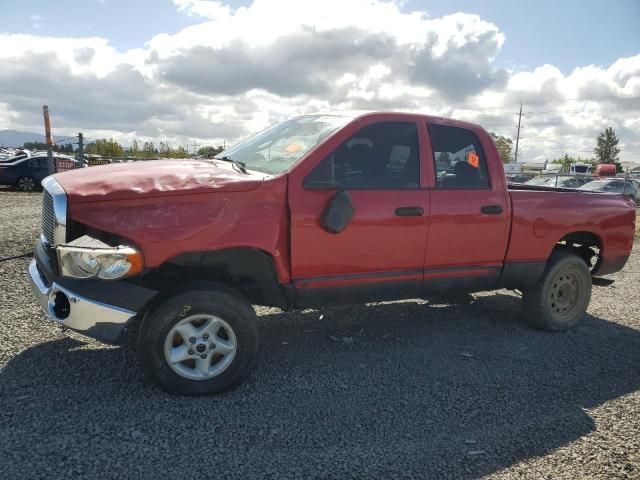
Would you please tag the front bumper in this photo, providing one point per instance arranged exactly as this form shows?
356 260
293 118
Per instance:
92 318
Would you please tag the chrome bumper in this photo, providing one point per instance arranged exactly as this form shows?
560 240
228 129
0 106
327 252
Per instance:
89 317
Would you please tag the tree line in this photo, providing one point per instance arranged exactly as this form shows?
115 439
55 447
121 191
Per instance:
108 147
111 148
63 148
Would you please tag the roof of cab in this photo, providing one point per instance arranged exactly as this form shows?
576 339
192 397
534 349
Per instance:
355 114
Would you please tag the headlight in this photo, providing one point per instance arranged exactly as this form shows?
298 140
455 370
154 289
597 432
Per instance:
88 258
79 264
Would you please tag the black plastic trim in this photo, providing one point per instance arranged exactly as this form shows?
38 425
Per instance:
521 274
392 289
356 294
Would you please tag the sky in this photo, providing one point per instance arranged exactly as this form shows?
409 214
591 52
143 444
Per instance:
210 71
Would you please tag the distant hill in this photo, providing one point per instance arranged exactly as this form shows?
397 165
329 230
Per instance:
14 138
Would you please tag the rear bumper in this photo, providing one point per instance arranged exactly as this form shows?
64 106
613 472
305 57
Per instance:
92 318
611 265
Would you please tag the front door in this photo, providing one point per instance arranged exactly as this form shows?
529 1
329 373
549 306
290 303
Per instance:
380 253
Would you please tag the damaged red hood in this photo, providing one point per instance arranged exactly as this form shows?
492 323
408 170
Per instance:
157 178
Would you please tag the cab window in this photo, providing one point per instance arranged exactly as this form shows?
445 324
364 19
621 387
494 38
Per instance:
381 156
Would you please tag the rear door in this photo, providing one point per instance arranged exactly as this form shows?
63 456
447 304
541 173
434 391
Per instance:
469 221
381 251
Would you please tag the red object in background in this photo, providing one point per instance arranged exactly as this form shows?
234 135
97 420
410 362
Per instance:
62 165
606 170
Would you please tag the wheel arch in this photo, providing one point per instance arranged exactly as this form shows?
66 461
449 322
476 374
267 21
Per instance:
586 244
248 270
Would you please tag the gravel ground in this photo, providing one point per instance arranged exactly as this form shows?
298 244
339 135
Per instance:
396 390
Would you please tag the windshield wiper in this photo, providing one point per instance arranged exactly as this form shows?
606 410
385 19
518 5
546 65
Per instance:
240 165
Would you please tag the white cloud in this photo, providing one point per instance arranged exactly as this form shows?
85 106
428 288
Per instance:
240 69
36 22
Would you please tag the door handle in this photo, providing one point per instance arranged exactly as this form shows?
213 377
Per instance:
491 209
409 211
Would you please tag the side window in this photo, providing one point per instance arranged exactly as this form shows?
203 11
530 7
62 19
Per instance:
40 162
381 156
459 160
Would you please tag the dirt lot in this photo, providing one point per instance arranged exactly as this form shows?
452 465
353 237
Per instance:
403 390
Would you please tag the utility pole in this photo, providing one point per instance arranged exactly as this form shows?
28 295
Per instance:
81 149
47 132
518 135
195 147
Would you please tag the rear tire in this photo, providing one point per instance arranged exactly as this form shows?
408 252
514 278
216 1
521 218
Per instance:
561 297
26 184
200 342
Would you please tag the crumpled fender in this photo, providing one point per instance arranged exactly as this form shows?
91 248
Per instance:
169 225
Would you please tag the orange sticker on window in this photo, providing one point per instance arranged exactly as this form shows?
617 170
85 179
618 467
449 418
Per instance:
293 148
473 159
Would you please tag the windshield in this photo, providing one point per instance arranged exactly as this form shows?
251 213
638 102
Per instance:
277 148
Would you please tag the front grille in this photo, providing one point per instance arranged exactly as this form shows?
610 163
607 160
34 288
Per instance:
48 217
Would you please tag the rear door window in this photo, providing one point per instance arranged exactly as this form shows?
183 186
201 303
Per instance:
459 160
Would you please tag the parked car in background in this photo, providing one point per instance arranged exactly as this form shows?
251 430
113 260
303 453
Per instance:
15 155
614 185
518 177
540 180
27 173
567 182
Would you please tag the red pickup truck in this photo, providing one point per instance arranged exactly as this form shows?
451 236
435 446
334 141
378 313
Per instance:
315 211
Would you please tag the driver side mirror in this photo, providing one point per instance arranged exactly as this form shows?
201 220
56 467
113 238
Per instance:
337 213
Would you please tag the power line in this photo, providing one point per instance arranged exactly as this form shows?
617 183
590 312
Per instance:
555 138
543 102
599 110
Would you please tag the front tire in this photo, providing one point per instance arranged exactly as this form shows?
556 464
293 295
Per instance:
200 342
26 184
561 297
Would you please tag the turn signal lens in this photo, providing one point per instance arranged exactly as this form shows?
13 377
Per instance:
119 265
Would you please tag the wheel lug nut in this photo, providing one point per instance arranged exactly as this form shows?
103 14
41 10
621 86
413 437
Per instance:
203 356
190 352
212 346
205 335
192 340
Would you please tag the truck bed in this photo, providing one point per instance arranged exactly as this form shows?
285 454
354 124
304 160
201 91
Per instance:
550 215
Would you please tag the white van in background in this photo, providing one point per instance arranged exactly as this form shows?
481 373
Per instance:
581 169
